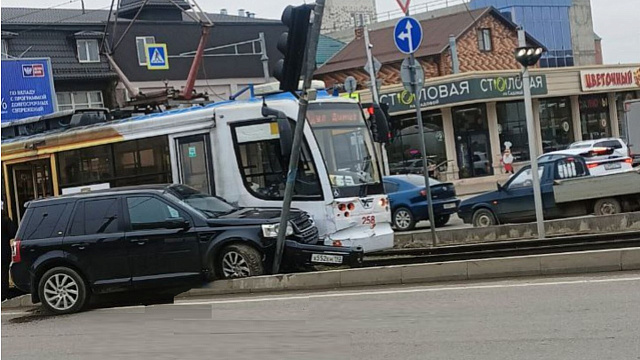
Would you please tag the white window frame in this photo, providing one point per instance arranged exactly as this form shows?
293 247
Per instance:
485 41
5 49
145 40
85 48
74 105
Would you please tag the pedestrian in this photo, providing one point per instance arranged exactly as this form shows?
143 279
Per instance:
507 160
8 233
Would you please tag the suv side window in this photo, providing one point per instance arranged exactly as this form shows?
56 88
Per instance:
99 216
47 221
148 212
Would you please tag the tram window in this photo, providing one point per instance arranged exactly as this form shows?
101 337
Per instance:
263 169
88 165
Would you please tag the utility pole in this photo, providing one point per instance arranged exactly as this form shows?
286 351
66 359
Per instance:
531 129
372 74
307 70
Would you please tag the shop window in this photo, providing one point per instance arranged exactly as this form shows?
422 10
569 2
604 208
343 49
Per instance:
472 141
512 127
484 40
622 121
404 151
594 117
263 169
556 124
79 100
141 41
88 50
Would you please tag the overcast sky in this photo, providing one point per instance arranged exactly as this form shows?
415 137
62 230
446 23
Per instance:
616 21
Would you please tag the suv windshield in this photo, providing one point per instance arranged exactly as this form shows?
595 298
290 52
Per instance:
207 205
345 143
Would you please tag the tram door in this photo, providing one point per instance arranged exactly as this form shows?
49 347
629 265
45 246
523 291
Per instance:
31 180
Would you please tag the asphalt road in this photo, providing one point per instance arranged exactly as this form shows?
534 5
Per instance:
570 318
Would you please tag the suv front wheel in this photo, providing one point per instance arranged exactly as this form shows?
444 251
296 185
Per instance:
238 260
62 291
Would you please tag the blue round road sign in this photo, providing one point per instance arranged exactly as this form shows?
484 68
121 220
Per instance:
407 35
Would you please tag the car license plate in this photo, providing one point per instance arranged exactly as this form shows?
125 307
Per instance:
328 259
449 206
611 166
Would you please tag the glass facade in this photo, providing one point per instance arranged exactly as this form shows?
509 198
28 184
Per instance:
135 162
512 127
556 124
546 20
472 140
404 150
594 117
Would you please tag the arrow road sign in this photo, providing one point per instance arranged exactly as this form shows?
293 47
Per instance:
407 35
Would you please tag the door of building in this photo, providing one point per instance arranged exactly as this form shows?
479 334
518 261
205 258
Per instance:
472 141
195 162
31 180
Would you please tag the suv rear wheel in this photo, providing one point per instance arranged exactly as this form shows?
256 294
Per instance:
62 291
238 260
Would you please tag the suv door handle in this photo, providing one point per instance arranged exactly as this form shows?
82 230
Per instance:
80 246
139 241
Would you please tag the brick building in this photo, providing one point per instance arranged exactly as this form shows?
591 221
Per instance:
485 40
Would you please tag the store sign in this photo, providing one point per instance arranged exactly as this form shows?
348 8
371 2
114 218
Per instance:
27 89
610 79
465 90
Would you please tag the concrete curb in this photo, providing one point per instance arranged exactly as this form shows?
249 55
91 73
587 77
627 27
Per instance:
518 266
547 264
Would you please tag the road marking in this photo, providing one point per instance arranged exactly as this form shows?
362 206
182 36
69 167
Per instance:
402 291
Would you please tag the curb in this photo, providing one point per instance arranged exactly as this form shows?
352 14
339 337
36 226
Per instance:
518 266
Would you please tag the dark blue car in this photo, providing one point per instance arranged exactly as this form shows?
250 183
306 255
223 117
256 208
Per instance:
408 199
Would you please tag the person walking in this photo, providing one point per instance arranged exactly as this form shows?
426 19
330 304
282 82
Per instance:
8 232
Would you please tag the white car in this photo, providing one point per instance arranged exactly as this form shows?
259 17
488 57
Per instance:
603 156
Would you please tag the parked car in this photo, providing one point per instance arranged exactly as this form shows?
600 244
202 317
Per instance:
151 237
567 190
603 156
408 200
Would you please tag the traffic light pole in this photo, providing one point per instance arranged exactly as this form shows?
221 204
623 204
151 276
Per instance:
309 67
372 74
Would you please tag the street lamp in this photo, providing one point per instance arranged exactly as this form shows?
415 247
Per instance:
529 56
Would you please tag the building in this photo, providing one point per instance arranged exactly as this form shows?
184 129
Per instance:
341 15
565 27
74 39
468 117
484 39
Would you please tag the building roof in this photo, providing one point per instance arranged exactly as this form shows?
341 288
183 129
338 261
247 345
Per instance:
435 41
327 47
41 16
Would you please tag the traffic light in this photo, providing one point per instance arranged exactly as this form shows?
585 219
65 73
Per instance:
292 44
379 119
528 56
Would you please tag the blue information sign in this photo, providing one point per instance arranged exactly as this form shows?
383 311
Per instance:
407 35
27 88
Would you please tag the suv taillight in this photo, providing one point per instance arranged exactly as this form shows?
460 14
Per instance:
15 251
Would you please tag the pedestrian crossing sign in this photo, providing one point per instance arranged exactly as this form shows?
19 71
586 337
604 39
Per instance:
157 58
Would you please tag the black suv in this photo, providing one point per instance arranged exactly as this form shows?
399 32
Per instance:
156 236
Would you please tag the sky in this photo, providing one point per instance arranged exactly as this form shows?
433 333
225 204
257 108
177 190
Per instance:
615 21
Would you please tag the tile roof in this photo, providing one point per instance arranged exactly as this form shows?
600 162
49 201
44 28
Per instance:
436 40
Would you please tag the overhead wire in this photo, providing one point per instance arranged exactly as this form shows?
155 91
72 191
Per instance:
62 20
106 25
129 26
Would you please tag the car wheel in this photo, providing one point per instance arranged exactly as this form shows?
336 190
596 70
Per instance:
607 207
442 220
403 219
238 261
483 218
62 291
